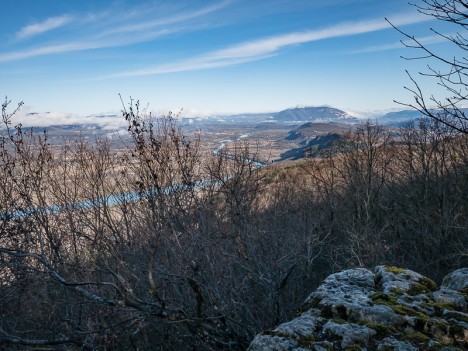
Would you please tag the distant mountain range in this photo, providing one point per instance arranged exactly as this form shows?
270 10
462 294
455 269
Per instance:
397 118
313 114
293 116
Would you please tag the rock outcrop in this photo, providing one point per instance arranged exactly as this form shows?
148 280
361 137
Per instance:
387 309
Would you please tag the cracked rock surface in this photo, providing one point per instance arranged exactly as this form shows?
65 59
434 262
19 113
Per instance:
386 309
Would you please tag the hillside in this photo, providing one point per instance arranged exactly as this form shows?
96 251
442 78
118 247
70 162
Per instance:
310 138
312 146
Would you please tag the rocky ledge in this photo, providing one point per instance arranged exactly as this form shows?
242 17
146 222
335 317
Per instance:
387 309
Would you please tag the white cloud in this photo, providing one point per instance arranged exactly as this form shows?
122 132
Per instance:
267 47
82 45
42 27
103 30
177 18
203 62
108 121
427 40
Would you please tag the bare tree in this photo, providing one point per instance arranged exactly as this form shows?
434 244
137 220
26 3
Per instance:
447 109
162 245
138 248
428 195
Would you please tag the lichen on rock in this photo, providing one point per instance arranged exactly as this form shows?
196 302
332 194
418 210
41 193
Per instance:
389 308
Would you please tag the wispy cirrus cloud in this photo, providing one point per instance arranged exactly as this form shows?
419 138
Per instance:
103 30
266 47
49 24
81 45
427 40
176 18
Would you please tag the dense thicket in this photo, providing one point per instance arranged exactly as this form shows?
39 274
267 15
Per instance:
160 245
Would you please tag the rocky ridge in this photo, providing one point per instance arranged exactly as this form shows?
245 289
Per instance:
386 309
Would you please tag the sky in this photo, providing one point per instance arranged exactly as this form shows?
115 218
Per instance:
208 57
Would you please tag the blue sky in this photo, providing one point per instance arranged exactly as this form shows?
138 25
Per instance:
207 56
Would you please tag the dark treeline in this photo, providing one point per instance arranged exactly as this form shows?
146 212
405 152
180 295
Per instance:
200 268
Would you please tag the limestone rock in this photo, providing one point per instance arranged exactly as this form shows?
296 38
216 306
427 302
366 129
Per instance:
457 280
386 309
393 344
273 343
349 334
449 296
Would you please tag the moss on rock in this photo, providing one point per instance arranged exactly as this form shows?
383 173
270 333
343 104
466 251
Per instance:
428 283
416 289
390 309
395 270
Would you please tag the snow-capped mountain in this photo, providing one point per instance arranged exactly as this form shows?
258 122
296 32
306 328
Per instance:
313 113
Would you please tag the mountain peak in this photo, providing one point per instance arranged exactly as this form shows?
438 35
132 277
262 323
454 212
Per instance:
311 113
